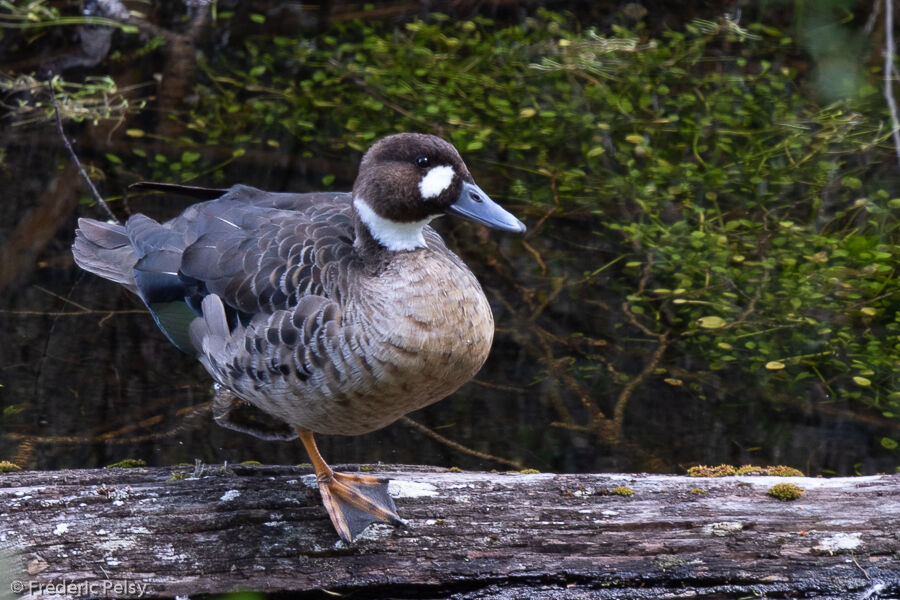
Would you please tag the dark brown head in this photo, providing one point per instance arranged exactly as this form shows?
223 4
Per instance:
405 180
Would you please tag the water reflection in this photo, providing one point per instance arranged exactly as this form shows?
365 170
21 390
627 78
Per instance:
572 384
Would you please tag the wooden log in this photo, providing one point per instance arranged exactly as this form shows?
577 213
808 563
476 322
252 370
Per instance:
144 533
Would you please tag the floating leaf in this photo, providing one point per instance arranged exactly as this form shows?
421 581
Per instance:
862 381
188 157
774 365
851 182
15 409
635 138
135 133
595 151
527 113
889 444
712 322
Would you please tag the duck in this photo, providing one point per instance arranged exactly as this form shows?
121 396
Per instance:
334 312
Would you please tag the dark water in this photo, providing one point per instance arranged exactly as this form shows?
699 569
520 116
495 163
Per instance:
87 379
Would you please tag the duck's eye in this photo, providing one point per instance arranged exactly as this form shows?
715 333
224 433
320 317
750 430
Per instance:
423 162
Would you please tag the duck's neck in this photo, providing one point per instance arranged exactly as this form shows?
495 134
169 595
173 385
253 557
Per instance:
390 235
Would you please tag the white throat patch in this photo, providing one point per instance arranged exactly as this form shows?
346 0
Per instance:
391 234
436 181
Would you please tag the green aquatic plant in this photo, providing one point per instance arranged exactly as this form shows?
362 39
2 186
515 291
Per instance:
29 101
35 15
736 225
702 226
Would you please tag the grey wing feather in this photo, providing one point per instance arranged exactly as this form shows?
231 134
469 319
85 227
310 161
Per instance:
262 258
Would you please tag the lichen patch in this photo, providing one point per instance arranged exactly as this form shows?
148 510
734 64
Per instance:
411 489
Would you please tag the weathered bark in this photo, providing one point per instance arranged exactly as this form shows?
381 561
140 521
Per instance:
470 535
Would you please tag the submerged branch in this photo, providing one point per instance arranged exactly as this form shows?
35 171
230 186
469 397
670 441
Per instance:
84 176
113 437
457 446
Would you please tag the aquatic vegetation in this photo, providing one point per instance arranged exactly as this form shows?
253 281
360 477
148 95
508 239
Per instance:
704 226
697 220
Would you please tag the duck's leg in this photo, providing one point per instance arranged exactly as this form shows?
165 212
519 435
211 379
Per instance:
353 501
229 411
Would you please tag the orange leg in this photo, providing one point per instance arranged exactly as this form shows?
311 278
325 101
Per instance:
353 501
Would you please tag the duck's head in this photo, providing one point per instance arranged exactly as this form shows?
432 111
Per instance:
406 180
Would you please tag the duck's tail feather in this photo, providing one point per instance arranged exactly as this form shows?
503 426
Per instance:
143 256
105 250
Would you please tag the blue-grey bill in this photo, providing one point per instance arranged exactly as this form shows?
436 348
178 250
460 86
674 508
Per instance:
473 204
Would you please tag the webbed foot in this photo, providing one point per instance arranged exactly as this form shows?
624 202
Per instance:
353 501
356 501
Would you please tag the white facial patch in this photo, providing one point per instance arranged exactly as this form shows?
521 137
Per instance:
436 181
391 234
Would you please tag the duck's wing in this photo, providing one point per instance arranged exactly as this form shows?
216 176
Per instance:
264 252
258 251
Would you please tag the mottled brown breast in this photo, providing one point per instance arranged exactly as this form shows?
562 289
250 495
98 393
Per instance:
427 320
412 334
